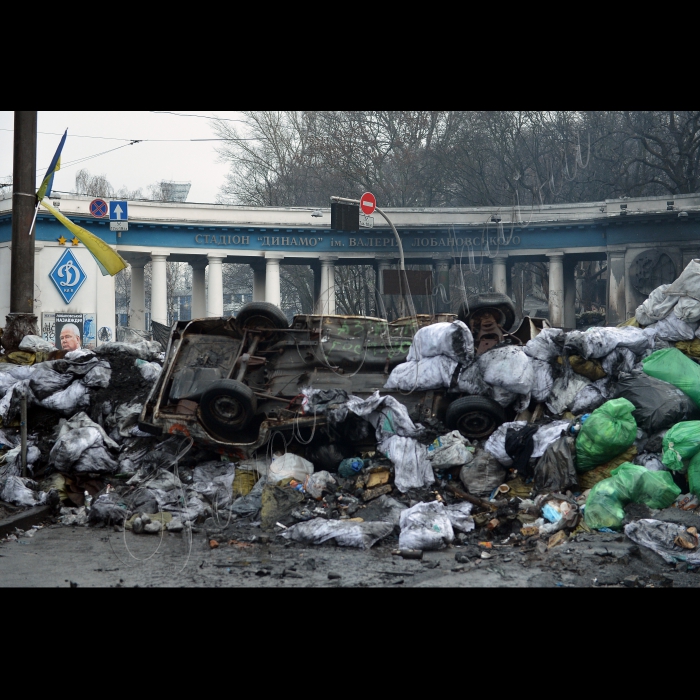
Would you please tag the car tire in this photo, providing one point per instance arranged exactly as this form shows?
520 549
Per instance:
476 417
491 299
227 406
261 315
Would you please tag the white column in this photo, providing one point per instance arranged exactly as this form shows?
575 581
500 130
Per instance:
556 289
199 289
258 282
137 301
500 282
617 303
569 272
215 294
159 289
106 308
328 285
272 278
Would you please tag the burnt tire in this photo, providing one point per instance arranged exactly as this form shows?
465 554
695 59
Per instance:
495 300
227 406
476 417
261 315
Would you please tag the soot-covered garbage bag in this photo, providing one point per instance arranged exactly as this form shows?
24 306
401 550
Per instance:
672 366
589 398
453 340
658 404
542 438
546 345
146 350
507 367
425 526
555 470
673 328
608 432
16 489
565 391
542 379
344 532
656 307
74 398
45 381
629 483
412 468
451 450
423 375
672 542
288 466
35 343
483 474
599 342
681 443
82 446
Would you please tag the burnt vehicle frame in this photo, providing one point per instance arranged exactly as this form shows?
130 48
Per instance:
232 383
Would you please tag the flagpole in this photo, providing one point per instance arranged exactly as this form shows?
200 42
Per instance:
36 211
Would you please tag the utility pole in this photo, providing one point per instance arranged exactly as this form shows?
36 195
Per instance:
21 321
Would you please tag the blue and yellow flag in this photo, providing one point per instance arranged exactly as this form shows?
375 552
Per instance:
47 183
107 259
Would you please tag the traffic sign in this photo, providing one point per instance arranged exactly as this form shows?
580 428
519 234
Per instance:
118 225
118 211
98 208
366 221
368 203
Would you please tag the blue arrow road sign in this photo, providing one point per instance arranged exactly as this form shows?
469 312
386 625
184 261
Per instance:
118 211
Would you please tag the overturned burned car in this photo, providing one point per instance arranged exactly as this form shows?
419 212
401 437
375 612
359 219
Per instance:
233 383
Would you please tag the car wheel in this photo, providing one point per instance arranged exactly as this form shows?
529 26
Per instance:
476 417
226 406
261 315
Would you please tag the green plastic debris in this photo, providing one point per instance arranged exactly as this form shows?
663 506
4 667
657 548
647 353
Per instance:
672 366
629 483
681 443
694 475
608 432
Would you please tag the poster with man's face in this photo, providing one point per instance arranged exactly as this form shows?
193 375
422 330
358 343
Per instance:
69 331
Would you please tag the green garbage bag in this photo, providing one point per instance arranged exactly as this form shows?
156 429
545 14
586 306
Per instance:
694 475
672 366
682 442
608 432
629 483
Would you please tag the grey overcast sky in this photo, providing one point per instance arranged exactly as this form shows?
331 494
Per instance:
134 166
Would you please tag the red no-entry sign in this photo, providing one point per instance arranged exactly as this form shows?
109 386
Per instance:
368 203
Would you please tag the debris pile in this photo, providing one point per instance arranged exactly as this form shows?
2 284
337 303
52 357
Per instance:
594 421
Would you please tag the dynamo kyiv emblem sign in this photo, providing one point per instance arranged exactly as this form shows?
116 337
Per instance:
68 276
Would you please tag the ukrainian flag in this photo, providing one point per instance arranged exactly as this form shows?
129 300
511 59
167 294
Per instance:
46 185
107 259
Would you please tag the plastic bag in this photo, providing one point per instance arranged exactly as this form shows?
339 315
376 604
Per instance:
277 504
687 309
673 328
599 342
99 376
454 340
608 432
542 379
681 443
460 516
410 459
687 284
650 461
44 382
249 505
69 401
618 361
546 345
345 533
658 404
694 475
145 350
508 367
317 483
15 490
591 369
35 343
672 366
150 371
564 392
656 307
545 435
471 381
555 470
629 483
107 509
660 537
451 450
289 466
423 375
483 474
587 400
425 526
